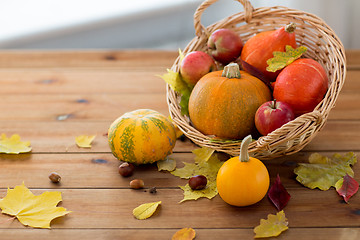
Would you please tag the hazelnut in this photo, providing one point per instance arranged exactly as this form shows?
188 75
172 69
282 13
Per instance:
126 169
137 184
54 177
198 182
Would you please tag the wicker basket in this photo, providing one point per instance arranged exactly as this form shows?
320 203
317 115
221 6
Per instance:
323 46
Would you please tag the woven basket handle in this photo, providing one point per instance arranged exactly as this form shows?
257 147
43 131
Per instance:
200 29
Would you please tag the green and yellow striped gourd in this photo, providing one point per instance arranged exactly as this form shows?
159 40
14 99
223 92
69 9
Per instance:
142 136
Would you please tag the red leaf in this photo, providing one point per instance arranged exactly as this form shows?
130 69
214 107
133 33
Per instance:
348 188
278 194
256 73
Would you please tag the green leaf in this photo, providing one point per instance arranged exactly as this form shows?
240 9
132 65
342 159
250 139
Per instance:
145 210
273 226
282 59
180 86
323 172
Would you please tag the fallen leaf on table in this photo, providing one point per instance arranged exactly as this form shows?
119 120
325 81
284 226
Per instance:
168 164
323 172
203 154
30 210
13 145
347 187
207 168
278 195
209 192
282 59
84 141
273 226
184 234
145 210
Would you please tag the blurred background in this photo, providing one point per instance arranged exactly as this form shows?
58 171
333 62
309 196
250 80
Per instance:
142 24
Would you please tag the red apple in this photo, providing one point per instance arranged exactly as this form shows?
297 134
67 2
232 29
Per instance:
195 65
225 45
272 115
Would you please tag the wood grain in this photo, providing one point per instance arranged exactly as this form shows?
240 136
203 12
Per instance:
74 170
166 234
112 208
51 97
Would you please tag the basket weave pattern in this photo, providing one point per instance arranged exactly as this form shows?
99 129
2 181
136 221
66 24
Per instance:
323 46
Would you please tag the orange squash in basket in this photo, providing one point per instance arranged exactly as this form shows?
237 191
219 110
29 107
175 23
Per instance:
258 49
224 103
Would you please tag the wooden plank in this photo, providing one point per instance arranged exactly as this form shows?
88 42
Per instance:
81 107
80 81
127 59
59 136
110 58
112 208
107 107
101 170
166 234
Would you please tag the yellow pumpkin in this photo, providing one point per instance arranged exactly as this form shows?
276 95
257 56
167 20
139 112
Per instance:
142 136
243 180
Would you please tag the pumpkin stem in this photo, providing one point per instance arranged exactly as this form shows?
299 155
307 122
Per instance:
244 153
231 71
290 28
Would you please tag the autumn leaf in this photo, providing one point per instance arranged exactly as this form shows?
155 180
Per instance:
168 164
84 141
207 168
273 226
202 154
184 234
176 83
13 145
31 210
278 195
282 59
145 210
347 187
209 192
323 172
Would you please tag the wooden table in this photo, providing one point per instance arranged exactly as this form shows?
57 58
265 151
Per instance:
49 98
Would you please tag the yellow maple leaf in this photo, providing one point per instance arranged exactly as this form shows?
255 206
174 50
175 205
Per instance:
84 141
168 164
207 168
145 210
202 154
272 226
30 210
184 234
282 59
13 145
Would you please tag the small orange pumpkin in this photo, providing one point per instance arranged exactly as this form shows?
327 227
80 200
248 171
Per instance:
243 180
224 103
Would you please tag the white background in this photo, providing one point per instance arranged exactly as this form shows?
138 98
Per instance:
161 24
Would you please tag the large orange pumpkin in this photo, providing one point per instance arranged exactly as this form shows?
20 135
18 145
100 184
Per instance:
224 103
